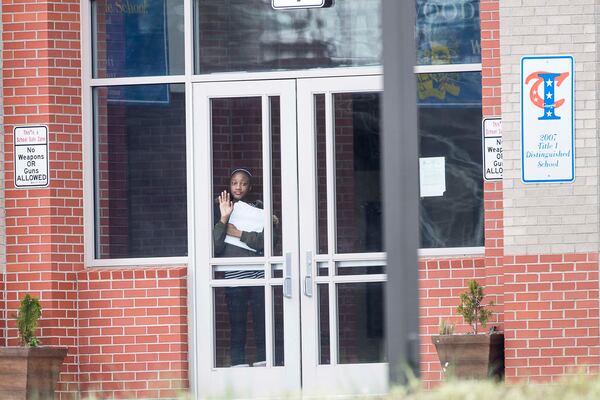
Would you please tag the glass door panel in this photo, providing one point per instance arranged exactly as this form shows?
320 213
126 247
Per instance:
341 241
246 330
357 172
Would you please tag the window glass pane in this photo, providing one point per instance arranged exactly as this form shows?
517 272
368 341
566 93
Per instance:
238 272
239 329
137 38
357 173
361 323
237 174
324 331
277 271
321 170
249 35
278 327
448 32
322 269
276 177
359 267
140 171
450 144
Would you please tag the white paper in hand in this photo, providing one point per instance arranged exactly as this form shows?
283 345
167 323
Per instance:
245 218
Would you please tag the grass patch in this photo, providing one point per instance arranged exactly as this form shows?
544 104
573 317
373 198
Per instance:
580 387
572 388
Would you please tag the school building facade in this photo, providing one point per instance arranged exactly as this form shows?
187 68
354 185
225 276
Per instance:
138 111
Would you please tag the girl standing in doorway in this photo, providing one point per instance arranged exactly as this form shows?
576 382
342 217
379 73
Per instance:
241 299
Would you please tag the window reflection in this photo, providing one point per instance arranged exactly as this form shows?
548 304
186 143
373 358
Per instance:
450 131
448 32
361 323
276 177
140 171
324 331
321 170
239 333
137 38
237 176
357 172
249 35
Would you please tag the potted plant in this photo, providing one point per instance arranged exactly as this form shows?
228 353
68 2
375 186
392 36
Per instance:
29 371
473 355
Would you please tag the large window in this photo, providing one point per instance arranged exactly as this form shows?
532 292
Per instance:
451 207
140 126
449 106
140 171
249 35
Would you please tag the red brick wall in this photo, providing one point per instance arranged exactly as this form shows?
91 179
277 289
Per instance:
133 332
492 191
547 305
44 227
3 313
131 324
490 57
2 219
442 280
551 316
440 283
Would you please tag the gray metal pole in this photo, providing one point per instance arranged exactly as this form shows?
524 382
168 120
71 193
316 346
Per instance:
401 195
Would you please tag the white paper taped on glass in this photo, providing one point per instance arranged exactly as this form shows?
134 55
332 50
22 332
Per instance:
432 176
245 218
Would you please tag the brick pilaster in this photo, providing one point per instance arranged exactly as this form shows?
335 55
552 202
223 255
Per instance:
44 227
492 191
2 214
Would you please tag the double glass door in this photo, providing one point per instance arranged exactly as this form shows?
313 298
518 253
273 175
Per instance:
289 268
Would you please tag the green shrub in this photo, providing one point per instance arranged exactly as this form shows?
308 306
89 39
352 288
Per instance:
446 328
471 306
27 319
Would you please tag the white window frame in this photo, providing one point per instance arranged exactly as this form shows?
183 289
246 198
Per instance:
450 251
188 79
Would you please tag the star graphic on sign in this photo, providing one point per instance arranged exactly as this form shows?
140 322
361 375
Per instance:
549 113
549 95
549 82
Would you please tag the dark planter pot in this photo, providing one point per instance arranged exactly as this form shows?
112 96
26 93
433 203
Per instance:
471 356
30 373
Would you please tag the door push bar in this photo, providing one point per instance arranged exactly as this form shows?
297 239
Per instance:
287 276
308 277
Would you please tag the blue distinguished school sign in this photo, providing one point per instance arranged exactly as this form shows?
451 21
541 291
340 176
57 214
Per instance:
547 119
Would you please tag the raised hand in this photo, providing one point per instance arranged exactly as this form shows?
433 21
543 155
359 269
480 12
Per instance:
225 206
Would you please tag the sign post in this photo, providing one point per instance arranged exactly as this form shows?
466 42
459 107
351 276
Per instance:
493 164
547 119
31 156
400 150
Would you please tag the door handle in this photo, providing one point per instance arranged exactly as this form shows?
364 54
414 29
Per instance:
308 277
287 276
